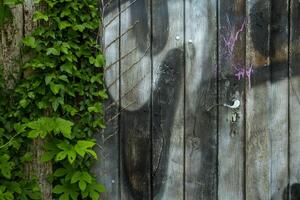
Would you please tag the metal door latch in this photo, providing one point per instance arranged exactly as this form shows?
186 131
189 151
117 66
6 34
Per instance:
236 104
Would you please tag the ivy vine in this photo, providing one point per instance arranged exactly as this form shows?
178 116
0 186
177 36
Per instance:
5 11
58 99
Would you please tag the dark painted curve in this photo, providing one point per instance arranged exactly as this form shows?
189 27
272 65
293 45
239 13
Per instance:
139 11
166 95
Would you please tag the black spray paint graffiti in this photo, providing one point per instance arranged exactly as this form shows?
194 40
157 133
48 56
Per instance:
167 81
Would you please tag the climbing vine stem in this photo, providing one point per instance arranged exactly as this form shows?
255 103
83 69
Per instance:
57 99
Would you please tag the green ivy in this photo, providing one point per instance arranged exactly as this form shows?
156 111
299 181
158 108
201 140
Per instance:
5 12
58 99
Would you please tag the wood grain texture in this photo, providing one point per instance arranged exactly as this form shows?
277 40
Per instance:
168 99
11 38
278 117
135 95
267 104
294 101
231 121
107 168
201 93
257 134
36 168
248 157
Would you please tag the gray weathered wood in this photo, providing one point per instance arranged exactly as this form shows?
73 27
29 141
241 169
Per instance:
135 100
201 93
167 99
267 103
231 121
155 98
107 168
257 134
294 101
11 38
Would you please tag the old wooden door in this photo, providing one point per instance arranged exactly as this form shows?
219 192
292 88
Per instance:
171 67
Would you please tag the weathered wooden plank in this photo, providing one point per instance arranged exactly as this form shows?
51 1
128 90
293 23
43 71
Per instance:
10 57
11 38
167 98
294 101
107 168
231 121
279 110
135 100
200 94
267 104
257 135
36 168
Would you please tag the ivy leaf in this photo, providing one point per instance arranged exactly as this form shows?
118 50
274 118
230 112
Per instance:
51 151
49 78
29 41
65 12
5 14
6 166
5 195
67 191
83 146
26 157
98 123
61 155
67 151
83 178
67 67
24 103
63 24
42 104
48 156
93 190
11 2
97 108
63 126
41 127
96 78
92 60
40 16
70 110
79 27
99 61
34 134
60 172
30 190
53 51
55 88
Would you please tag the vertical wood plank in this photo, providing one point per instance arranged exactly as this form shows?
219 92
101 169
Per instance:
257 134
167 98
11 38
279 110
201 93
36 168
107 168
294 101
267 103
231 121
135 97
